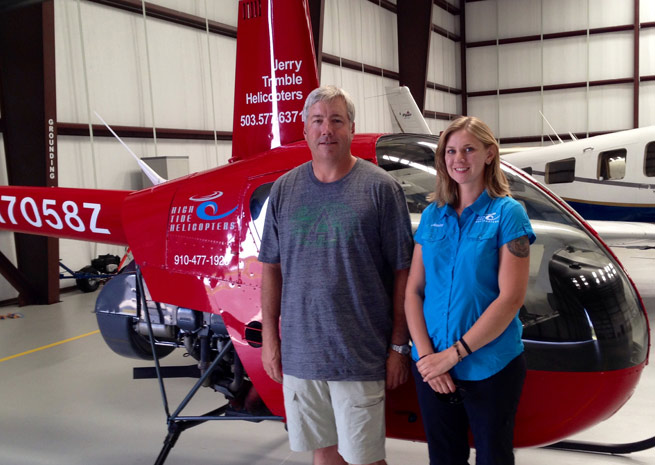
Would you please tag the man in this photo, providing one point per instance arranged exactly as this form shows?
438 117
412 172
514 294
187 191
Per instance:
336 250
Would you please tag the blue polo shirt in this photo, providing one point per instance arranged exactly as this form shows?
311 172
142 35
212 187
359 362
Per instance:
460 256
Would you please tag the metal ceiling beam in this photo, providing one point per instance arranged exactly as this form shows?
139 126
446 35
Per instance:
317 14
635 64
29 115
462 54
414 30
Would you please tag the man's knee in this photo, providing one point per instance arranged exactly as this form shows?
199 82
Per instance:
328 456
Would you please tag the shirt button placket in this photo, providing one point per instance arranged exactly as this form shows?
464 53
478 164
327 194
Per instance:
454 249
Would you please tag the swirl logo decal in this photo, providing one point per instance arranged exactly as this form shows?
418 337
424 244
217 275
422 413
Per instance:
203 214
203 198
208 210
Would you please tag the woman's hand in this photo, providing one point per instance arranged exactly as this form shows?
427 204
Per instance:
443 384
436 365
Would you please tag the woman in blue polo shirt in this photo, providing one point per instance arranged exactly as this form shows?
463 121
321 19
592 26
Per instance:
467 282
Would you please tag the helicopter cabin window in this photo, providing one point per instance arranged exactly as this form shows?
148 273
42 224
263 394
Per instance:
611 164
560 171
649 160
258 206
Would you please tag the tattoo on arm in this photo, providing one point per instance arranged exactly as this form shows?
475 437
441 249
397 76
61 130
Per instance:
520 247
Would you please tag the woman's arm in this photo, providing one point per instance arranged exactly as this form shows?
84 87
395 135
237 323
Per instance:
513 274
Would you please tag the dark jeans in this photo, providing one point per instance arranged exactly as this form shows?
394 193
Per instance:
487 407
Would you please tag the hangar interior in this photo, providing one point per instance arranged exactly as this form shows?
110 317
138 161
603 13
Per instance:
161 73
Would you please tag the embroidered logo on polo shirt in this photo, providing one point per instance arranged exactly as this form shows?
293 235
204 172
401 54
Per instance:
437 225
488 218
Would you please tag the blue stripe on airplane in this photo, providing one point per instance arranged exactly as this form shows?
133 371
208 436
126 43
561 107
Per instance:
614 213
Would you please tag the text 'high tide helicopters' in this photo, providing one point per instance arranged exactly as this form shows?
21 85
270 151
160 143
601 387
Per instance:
195 241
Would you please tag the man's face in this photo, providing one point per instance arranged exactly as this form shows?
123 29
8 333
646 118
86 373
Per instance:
328 130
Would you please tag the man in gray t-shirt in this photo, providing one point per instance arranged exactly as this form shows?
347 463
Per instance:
336 250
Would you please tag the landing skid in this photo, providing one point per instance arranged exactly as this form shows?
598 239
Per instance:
613 449
177 423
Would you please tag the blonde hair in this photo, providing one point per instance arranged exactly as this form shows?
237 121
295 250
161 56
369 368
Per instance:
495 182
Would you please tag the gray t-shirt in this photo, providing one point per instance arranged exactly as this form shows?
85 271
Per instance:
338 245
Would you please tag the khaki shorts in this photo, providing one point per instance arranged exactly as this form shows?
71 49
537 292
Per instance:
347 413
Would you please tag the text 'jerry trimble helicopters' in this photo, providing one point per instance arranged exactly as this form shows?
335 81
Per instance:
196 241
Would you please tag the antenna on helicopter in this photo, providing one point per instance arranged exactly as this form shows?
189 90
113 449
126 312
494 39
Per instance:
148 171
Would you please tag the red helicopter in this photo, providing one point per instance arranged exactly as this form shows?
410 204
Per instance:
196 280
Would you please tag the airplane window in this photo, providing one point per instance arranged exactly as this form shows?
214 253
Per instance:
560 171
649 160
580 307
611 164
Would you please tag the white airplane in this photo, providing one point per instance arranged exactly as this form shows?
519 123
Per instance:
608 179
406 117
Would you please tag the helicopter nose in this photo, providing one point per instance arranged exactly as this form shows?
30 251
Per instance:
591 320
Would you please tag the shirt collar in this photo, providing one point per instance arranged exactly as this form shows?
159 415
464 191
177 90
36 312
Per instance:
479 207
481 204
448 210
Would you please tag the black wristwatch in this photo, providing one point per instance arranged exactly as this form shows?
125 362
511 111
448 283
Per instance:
402 350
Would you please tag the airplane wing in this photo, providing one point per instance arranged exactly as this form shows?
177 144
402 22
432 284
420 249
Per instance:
83 214
405 114
625 233
508 150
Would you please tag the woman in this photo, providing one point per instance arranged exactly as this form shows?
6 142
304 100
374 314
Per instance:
467 281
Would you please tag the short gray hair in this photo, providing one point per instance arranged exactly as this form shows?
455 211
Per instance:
329 93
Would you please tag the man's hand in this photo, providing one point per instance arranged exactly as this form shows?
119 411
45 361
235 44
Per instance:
272 360
397 369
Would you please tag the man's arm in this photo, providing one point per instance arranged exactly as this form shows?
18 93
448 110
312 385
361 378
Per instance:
271 302
398 364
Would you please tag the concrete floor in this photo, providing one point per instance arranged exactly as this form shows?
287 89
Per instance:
67 399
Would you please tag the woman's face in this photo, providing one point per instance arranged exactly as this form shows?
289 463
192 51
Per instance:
466 159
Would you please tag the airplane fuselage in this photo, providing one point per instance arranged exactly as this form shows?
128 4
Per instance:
607 177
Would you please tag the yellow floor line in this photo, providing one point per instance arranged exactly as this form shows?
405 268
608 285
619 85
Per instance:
49 345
